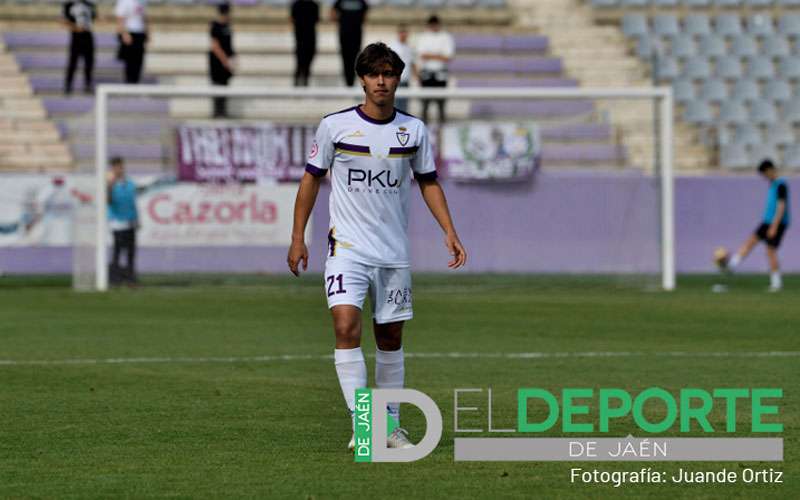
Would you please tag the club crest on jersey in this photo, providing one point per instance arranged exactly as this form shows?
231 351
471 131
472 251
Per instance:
403 136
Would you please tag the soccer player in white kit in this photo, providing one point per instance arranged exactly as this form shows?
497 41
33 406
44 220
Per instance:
372 151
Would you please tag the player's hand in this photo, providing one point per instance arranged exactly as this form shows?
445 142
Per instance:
298 252
456 249
772 232
127 39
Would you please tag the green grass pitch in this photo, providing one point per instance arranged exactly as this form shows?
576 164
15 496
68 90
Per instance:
188 426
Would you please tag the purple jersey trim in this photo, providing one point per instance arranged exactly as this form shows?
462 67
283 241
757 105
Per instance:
340 112
403 151
351 147
373 120
430 176
315 171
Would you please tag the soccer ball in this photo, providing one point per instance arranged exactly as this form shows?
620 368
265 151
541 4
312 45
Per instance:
721 256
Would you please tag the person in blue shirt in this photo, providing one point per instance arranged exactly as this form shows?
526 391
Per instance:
773 224
123 219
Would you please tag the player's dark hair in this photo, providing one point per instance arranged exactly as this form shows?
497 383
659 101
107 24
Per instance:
375 56
765 165
434 19
224 8
116 160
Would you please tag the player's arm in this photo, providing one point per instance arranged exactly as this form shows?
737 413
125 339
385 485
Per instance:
123 31
65 18
216 49
434 197
303 204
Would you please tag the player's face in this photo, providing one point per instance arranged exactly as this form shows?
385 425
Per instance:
119 170
380 85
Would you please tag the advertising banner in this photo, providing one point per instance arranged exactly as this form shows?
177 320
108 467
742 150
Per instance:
491 151
42 211
216 215
38 210
265 151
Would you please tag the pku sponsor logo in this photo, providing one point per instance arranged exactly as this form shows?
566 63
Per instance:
372 178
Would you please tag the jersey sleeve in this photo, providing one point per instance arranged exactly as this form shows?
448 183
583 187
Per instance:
423 164
320 158
783 192
121 9
449 48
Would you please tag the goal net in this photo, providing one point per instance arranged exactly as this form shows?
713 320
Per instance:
539 180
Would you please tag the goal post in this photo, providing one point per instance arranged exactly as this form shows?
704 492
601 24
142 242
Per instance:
663 140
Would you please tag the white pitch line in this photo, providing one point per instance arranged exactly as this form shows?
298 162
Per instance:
421 355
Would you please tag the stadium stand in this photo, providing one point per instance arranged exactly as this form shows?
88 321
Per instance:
597 54
733 65
575 133
28 141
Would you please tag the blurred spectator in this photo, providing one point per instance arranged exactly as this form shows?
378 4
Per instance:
305 16
407 55
351 15
221 57
79 16
132 27
123 219
435 48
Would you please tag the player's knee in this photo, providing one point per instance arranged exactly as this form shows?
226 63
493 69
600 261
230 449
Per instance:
389 337
347 329
392 343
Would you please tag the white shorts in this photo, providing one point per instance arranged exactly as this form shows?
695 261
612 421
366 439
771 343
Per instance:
348 282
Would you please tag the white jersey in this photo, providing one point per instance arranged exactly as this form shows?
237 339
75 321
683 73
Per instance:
371 163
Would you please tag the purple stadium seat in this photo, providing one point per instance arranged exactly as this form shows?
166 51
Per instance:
58 60
577 132
54 39
473 82
582 153
478 42
80 104
532 109
506 64
143 128
526 43
46 83
152 151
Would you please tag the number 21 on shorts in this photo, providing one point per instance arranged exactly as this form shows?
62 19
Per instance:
332 280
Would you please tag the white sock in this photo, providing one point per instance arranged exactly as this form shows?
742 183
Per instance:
735 261
775 280
389 374
352 372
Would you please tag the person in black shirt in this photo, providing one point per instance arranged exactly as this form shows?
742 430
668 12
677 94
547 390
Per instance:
351 15
221 57
305 15
79 15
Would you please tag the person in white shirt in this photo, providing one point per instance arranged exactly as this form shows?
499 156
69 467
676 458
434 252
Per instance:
435 48
132 28
371 150
406 54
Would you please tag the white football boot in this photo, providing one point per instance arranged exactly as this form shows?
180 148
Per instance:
399 439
